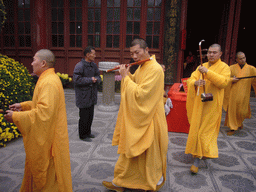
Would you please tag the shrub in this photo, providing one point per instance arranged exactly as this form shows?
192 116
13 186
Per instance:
16 85
65 79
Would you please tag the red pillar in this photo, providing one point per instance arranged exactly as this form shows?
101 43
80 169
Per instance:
40 22
183 24
226 49
235 32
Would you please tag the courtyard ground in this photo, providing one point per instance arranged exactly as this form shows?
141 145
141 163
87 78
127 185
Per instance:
93 162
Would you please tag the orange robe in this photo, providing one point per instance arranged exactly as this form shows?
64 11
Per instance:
237 96
141 130
43 125
205 117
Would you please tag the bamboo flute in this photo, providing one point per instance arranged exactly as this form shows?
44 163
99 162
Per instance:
135 63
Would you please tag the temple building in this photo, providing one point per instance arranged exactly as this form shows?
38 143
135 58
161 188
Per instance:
172 28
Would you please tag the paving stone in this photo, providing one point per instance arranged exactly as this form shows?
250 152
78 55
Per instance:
234 181
177 157
227 161
181 179
105 151
96 171
223 145
10 182
250 160
14 164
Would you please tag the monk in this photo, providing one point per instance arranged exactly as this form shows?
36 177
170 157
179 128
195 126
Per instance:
141 129
237 94
205 117
43 125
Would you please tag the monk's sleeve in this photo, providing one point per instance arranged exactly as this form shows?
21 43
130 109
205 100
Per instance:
253 73
227 91
144 92
139 107
27 105
40 117
220 80
191 81
131 76
192 90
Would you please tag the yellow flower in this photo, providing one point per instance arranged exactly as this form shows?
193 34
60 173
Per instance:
65 76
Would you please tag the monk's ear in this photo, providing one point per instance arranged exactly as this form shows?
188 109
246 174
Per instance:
44 64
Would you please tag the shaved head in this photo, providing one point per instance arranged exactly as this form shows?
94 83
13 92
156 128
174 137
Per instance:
239 53
214 53
48 56
141 42
216 45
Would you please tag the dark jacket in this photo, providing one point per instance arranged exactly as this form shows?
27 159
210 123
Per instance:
85 89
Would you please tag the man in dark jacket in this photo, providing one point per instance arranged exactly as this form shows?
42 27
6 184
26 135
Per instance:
86 76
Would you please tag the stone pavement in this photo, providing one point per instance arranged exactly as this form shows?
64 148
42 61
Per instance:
93 162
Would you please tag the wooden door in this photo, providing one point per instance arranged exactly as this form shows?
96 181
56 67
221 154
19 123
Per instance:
108 25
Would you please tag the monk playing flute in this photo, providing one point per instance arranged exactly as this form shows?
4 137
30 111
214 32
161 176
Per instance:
237 94
43 125
205 117
141 129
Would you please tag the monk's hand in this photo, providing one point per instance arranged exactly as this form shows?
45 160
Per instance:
8 116
234 79
203 69
124 71
15 107
200 82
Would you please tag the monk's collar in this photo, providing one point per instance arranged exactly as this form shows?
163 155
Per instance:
47 71
211 64
152 57
241 66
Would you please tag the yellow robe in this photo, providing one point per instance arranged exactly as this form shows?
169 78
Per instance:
237 96
205 117
141 129
43 125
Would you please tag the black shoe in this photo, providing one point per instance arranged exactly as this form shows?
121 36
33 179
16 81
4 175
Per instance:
87 139
91 136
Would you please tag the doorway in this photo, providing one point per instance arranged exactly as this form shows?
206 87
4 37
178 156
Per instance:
215 23
203 22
